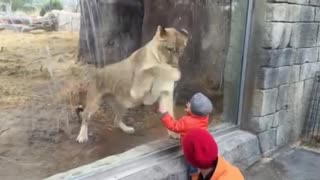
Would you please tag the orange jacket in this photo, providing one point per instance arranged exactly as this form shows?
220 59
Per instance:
226 171
185 123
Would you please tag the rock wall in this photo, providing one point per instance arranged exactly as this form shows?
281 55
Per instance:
285 57
67 21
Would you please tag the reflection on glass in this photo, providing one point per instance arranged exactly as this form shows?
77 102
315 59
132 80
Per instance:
41 83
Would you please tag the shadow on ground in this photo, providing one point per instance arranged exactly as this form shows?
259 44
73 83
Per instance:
294 164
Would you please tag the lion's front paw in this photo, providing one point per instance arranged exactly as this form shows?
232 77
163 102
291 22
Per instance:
176 75
126 129
129 130
82 139
83 134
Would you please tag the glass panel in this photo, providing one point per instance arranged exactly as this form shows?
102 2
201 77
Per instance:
233 62
50 59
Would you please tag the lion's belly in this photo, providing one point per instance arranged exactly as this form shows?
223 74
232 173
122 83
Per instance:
128 102
117 80
121 86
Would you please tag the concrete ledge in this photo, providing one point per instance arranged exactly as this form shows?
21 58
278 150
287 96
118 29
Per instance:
239 147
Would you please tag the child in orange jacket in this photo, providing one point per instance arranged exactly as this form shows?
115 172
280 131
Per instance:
198 109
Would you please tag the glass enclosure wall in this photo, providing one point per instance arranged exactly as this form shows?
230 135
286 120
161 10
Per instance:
52 51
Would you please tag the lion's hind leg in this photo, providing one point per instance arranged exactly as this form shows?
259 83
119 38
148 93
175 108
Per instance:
79 109
119 111
92 105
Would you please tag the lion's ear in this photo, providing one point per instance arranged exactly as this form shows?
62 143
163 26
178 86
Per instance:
161 31
184 32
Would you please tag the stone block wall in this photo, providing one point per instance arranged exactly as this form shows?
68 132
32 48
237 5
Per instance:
289 58
67 21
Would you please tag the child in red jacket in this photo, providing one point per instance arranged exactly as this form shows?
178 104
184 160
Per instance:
198 109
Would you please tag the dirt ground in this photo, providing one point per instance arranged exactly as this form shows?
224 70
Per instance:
37 132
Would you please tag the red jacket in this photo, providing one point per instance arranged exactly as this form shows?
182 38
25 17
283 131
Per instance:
185 123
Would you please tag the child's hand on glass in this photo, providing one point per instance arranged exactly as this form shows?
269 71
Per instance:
162 109
188 108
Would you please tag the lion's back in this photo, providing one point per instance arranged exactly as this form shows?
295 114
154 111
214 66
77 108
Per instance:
117 78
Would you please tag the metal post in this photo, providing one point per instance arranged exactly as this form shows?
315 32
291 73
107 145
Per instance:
244 58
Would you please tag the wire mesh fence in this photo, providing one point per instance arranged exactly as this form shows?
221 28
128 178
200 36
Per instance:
311 131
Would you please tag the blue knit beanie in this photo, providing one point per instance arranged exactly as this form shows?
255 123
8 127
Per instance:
200 105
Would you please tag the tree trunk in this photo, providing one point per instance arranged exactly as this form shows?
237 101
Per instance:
110 30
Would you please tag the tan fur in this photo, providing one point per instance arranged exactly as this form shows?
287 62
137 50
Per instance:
145 76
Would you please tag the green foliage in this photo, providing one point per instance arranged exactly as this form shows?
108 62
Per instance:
50 5
28 8
5 1
17 4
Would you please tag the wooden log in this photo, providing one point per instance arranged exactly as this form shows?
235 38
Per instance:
47 23
15 20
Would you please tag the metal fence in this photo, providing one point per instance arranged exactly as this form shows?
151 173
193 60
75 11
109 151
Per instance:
311 131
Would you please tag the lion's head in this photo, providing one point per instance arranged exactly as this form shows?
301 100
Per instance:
172 42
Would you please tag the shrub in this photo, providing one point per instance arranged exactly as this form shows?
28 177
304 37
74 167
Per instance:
28 8
50 5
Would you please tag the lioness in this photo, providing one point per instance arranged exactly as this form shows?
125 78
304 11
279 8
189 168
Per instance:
145 76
